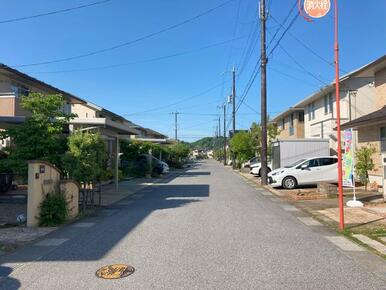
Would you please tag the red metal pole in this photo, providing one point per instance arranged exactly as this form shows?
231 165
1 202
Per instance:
337 94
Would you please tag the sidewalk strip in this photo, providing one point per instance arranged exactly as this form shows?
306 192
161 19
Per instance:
266 193
372 243
344 244
309 221
289 207
83 225
51 242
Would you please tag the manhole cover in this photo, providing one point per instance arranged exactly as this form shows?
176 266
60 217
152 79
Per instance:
115 271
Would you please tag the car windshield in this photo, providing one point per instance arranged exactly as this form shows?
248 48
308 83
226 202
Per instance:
295 163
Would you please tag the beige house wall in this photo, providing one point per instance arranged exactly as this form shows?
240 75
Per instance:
357 99
7 106
370 136
298 127
380 88
83 111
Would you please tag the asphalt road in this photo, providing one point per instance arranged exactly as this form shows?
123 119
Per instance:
205 229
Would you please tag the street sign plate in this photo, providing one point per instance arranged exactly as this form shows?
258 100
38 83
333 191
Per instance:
115 271
317 8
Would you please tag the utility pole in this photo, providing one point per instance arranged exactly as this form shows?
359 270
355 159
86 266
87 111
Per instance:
263 95
225 136
175 124
219 131
233 110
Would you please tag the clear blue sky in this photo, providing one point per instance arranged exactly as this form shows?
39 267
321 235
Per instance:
131 89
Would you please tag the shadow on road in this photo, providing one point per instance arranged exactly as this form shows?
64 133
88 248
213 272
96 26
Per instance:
194 173
115 223
7 282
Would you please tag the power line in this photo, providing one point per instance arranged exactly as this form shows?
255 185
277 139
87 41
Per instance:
257 69
234 34
53 12
140 61
302 66
302 43
292 77
130 42
178 102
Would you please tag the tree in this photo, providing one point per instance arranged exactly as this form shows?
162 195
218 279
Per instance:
218 154
86 158
242 146
179 150
364 163
272 132
41 135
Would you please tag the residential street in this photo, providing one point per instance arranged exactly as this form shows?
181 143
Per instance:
205 229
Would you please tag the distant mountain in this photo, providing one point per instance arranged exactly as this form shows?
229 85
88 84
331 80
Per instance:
207 143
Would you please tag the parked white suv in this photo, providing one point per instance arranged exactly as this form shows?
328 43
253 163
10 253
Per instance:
256 168
305 172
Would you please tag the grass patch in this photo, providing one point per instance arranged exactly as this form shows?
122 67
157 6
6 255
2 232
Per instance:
372 232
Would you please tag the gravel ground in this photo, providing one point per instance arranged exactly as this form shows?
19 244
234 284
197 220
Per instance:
206 229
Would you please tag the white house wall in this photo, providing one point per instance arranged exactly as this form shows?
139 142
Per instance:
362 93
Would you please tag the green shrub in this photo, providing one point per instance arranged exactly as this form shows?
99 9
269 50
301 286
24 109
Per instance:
86 159
53 210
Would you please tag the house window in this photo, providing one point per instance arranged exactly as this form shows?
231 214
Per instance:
283 123
291 127
311 111
67 109
301 117
19 91
383 138
328 104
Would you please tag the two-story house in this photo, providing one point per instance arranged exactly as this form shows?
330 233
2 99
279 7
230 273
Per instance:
362 101
14 85
371 128
357 98
290 123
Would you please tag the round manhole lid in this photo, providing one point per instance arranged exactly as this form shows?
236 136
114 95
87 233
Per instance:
115 271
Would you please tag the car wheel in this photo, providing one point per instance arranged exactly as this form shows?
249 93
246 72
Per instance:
289 182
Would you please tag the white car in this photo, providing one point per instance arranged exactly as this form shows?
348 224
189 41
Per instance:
305 172
256 168
165 168
251 162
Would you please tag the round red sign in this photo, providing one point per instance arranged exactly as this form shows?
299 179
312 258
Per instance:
317 8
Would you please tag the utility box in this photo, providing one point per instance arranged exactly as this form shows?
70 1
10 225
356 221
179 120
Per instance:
288 151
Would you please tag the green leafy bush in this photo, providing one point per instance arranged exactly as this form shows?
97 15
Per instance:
41 135
86 159
364 163
53 210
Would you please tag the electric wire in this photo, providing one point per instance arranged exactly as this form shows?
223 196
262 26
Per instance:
53 12
130 42
139 61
